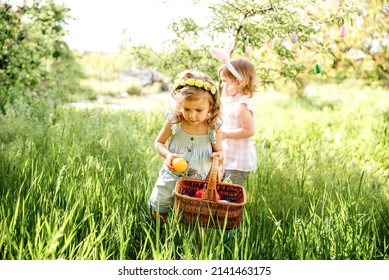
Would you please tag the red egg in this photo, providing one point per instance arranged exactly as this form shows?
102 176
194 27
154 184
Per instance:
199 194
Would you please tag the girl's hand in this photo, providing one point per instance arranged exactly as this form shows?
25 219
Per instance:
218 154
169 159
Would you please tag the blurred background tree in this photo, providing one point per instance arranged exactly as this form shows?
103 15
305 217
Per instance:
290 42
35 61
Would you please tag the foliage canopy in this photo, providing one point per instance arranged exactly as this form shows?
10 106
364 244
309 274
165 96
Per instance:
34 58
289 41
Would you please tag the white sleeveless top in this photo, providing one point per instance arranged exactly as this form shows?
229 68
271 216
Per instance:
239 154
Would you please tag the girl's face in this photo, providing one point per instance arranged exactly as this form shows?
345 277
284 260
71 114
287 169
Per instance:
229 86
195 111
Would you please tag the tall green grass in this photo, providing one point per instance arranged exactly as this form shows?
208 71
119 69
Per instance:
75 183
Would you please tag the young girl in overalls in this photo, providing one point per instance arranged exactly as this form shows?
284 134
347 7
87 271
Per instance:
192 131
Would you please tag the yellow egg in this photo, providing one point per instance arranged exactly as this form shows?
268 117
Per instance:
179 164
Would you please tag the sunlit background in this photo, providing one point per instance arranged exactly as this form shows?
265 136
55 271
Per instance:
103 25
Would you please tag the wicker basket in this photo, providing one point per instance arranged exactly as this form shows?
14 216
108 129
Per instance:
207 210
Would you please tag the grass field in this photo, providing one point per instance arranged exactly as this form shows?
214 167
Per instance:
75 183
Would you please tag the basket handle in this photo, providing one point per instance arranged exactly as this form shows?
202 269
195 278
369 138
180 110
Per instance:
212 179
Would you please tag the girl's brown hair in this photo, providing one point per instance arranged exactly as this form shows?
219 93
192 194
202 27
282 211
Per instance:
192 93
247 70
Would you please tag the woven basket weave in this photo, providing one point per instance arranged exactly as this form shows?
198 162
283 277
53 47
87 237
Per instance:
207 210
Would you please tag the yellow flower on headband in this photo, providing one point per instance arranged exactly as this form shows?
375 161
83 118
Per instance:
199 83
207 86
191 82
213 90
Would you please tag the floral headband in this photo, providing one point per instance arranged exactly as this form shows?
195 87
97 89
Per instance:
201 84
224 56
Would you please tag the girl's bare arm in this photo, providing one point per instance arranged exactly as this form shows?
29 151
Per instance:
246 120
217 147
160 144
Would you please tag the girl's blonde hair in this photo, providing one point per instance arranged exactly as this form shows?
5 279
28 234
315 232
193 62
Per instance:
189 92
247 70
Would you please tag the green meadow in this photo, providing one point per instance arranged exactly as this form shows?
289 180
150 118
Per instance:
75 183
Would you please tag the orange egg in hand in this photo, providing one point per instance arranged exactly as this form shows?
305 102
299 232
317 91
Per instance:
179 164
